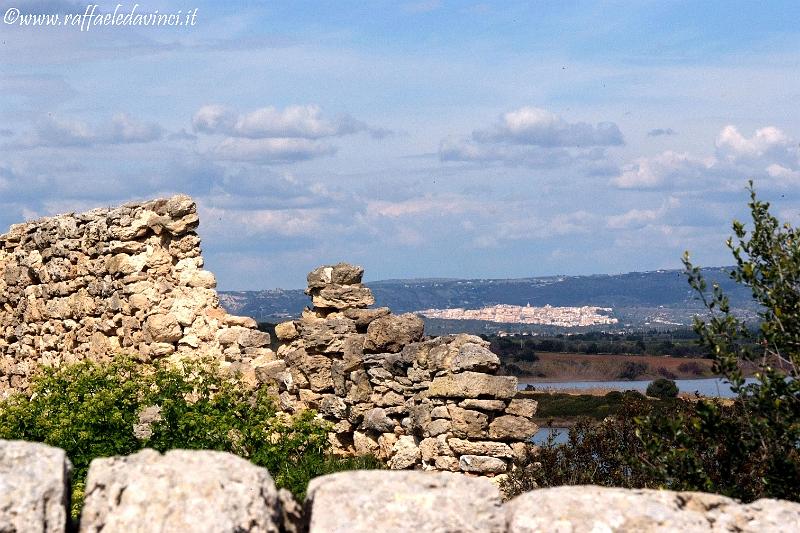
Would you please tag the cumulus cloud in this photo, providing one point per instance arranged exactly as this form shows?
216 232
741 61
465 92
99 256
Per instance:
637 218
271 135
658 132
533 137
769 142
301 121
663 169
56 132
539 127
769 153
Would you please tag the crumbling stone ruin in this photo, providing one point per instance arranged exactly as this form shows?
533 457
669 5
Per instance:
216 492
128 279
413 402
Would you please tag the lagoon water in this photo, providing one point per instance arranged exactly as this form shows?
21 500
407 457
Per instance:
711 387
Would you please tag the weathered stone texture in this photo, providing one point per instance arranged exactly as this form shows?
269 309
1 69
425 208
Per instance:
394 502
590 508
180 491
123 280
34 487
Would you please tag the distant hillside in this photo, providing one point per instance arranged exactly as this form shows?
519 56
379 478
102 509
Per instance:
637 298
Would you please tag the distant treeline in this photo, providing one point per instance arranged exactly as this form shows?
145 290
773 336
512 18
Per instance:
677 343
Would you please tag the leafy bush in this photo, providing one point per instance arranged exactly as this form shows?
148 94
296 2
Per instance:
97 410
747 448
662 388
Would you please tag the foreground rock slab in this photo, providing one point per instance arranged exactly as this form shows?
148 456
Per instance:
182 490
589 508
393 502
34 487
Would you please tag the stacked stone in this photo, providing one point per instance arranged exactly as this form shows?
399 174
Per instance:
128 279
412 402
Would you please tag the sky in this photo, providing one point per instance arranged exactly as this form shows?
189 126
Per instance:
417 139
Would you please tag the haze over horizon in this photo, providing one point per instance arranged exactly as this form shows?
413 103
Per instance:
418 139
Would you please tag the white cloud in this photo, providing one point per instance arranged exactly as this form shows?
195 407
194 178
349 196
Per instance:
300 121
769 154
533 137
539 127
733 146
666 168
637 218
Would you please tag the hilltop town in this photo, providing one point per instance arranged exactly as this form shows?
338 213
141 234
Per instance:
514 314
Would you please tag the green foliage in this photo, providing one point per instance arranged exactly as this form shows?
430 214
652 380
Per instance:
662 388
90 410
597 453
752 448
564 405
748 447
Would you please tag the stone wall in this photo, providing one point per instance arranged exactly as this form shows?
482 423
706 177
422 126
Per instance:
215 492
128 279
414 402
131 280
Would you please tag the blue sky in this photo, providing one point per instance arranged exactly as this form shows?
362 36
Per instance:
420 138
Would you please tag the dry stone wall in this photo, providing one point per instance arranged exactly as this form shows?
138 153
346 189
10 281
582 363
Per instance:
414 402
128 279
215 492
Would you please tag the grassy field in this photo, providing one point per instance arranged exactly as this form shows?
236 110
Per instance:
604 367
560 409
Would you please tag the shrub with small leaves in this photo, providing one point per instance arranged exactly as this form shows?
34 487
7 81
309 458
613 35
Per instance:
662 388
95 409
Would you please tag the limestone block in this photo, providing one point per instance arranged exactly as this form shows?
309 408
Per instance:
391 333
181 490
340 274
522 407
510 427
405 453
342 297
590 508
394 502
34 487
466 447
473 385
480 464
466 423
475 357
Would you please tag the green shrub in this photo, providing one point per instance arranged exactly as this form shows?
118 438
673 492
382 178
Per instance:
662 388
91 409
747 448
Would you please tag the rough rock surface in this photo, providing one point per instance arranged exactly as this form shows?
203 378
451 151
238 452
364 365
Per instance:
368 502
391 392
34 487
590 508
180 491
123 280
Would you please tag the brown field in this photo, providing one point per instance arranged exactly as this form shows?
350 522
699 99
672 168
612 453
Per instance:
582 367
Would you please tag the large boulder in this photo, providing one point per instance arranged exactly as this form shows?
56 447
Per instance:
34 487
391 333
590 508
393 502
179 491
